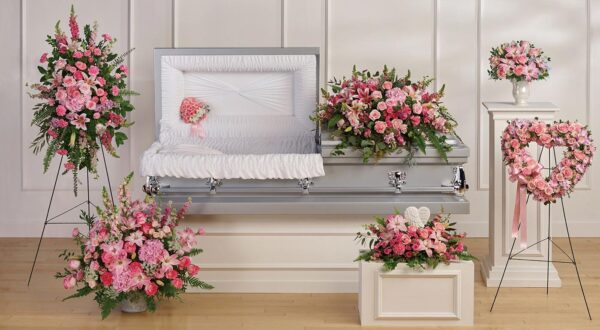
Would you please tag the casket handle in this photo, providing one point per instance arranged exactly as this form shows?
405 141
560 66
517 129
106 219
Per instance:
213 184
397 179
152 185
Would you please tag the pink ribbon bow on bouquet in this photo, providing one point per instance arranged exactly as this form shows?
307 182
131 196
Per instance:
520 176
196 130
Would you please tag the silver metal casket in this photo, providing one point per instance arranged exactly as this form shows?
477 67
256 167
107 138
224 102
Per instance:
263 155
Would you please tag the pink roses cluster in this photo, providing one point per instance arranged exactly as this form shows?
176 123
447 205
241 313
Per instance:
83 85
380 113
525 170
393 240
134 249
518 60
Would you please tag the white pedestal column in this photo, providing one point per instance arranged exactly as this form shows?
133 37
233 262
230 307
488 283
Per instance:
502 201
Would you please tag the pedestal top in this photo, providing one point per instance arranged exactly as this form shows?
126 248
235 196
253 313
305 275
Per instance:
511 107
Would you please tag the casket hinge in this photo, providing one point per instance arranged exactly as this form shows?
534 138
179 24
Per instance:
152 185
213 184
397 180
305 185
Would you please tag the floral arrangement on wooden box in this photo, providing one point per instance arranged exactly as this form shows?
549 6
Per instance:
394 239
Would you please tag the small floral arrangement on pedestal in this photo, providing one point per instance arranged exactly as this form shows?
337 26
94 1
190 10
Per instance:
381 113
393 240
518 60
193 111
133 252
83 87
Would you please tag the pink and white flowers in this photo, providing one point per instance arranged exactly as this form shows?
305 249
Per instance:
379 114
133 250
526 171
77 115
393 240
518 60
193 111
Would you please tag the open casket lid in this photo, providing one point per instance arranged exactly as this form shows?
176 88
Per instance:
260 98
259 125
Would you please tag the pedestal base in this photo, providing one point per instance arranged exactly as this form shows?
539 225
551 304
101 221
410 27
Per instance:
519 274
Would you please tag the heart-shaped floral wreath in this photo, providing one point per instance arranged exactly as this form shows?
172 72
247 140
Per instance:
526 171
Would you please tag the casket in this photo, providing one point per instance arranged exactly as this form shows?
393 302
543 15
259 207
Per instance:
262 154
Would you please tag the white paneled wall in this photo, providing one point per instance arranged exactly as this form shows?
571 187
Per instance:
442 38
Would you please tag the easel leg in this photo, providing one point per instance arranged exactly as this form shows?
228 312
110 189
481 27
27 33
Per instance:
107 176
37 251
562 204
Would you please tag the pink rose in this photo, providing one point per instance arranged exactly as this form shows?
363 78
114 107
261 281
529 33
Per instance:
545 138
193 270
96 115
100 92
415 120
78 54
177 283
151 289
563 128
43 58
97 51
61 110
74 264
184 262
381 106
107 37
123 68
80 65
69 282
380 126
519 70
171 274
376 95
60 64
69 166
75 231
93 70
387 85
114 91
69 81
417 108
522 59
374 115
90 105
567 172
100 81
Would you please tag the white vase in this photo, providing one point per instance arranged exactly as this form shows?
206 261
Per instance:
134 305
520 91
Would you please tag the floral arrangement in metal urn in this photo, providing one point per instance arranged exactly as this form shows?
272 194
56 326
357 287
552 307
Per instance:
133 254
394 239
380 113
84 92
520 62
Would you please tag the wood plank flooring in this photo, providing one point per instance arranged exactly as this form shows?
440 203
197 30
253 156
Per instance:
40 307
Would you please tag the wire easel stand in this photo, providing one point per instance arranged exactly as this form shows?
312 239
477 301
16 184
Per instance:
50 220
550 241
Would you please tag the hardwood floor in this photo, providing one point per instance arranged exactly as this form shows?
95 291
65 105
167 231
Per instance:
40 305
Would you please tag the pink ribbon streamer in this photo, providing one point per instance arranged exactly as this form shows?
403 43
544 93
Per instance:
197 130
520 215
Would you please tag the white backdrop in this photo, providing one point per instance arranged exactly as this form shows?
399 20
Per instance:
446 39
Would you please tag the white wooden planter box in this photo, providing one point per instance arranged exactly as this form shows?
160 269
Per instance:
407 297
